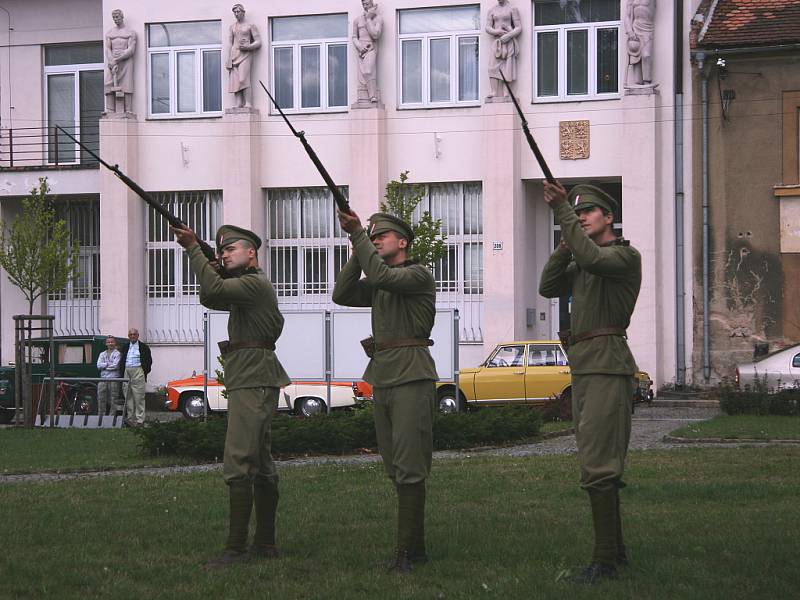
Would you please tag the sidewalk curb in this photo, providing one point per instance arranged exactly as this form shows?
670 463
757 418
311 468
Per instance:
671 439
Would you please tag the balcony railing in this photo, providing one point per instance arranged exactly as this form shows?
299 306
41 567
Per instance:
38 147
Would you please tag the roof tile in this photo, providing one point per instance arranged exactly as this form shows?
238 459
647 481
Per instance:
739 23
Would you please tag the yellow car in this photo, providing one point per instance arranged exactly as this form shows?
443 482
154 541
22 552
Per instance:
530 372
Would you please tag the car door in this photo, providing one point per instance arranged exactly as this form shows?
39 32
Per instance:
501 379
547 372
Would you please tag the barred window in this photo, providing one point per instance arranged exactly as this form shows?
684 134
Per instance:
307 246
174 313
76 307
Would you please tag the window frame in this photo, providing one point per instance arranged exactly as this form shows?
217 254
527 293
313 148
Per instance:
426 38
296 45
75 70
199 71
562 31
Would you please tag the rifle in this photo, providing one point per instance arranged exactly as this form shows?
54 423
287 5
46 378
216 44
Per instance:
531 142
341 201
208 251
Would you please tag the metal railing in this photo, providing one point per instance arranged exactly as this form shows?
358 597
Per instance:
32 147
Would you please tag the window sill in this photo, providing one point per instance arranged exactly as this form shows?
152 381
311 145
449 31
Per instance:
475 104
192 117
559 100
310 111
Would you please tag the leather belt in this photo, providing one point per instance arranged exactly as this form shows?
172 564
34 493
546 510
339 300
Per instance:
226 347
593 333
402 343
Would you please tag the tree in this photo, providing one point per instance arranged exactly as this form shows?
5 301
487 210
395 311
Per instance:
402 199
36 251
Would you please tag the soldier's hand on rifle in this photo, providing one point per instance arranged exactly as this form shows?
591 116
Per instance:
184 236
554 193
350 222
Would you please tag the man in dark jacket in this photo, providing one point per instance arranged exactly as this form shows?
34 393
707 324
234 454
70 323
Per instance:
136 362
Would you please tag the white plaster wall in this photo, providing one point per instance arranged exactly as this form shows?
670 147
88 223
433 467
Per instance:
476 144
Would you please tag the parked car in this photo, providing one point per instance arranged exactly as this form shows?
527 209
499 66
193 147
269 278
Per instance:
301 398
776 371
75 356
526 372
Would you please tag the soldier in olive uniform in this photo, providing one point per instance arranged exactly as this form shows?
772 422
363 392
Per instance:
253 378
402 295
603 273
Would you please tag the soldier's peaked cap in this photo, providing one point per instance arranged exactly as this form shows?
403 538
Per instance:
382 222
228 234
585 196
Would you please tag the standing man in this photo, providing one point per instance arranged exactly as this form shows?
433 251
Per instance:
603 273
137 360
402 295
120 47
367 30
108 365
253 378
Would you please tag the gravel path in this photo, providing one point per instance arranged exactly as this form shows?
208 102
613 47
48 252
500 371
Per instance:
650 425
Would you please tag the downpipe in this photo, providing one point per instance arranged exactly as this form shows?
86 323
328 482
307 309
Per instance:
701 59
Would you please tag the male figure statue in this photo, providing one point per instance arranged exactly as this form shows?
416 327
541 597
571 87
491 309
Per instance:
367 29
603 273
120 46
243 40
402 294
253 378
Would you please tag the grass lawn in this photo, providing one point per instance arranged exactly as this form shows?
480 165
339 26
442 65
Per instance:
719 523
36 450
552 426
744 427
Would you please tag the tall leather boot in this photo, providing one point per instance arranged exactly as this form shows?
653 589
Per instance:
266 502
604 517
407 519
622 554
417 553
241 505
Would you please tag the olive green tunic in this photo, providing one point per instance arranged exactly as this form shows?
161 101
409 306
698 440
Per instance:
403 301
254 316
604 282
253 376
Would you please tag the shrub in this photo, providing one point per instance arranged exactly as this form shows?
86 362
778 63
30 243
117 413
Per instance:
338 433
759 401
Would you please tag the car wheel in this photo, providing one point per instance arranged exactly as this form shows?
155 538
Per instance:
192 405
84 399
447 401
308 406
565 405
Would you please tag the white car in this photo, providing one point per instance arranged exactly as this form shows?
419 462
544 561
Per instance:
779 370
302 398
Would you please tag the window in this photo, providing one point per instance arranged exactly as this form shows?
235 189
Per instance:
307 248
76 307
173 311
74 100
508 356
576 49
439 56
459 274
185 69
309 62
546 355
796 361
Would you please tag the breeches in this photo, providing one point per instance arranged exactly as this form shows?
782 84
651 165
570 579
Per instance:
601 409
404 428
248 441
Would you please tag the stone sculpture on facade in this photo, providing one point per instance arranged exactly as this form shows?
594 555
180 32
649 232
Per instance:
504 24
639 26
243 41
367 30
120 46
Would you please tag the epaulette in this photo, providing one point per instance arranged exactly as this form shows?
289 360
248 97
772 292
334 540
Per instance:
621 241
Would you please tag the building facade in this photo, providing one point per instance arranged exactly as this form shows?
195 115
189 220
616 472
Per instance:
746 89
184 138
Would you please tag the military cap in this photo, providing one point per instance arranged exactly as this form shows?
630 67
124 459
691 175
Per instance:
585 196
228 234
382 222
